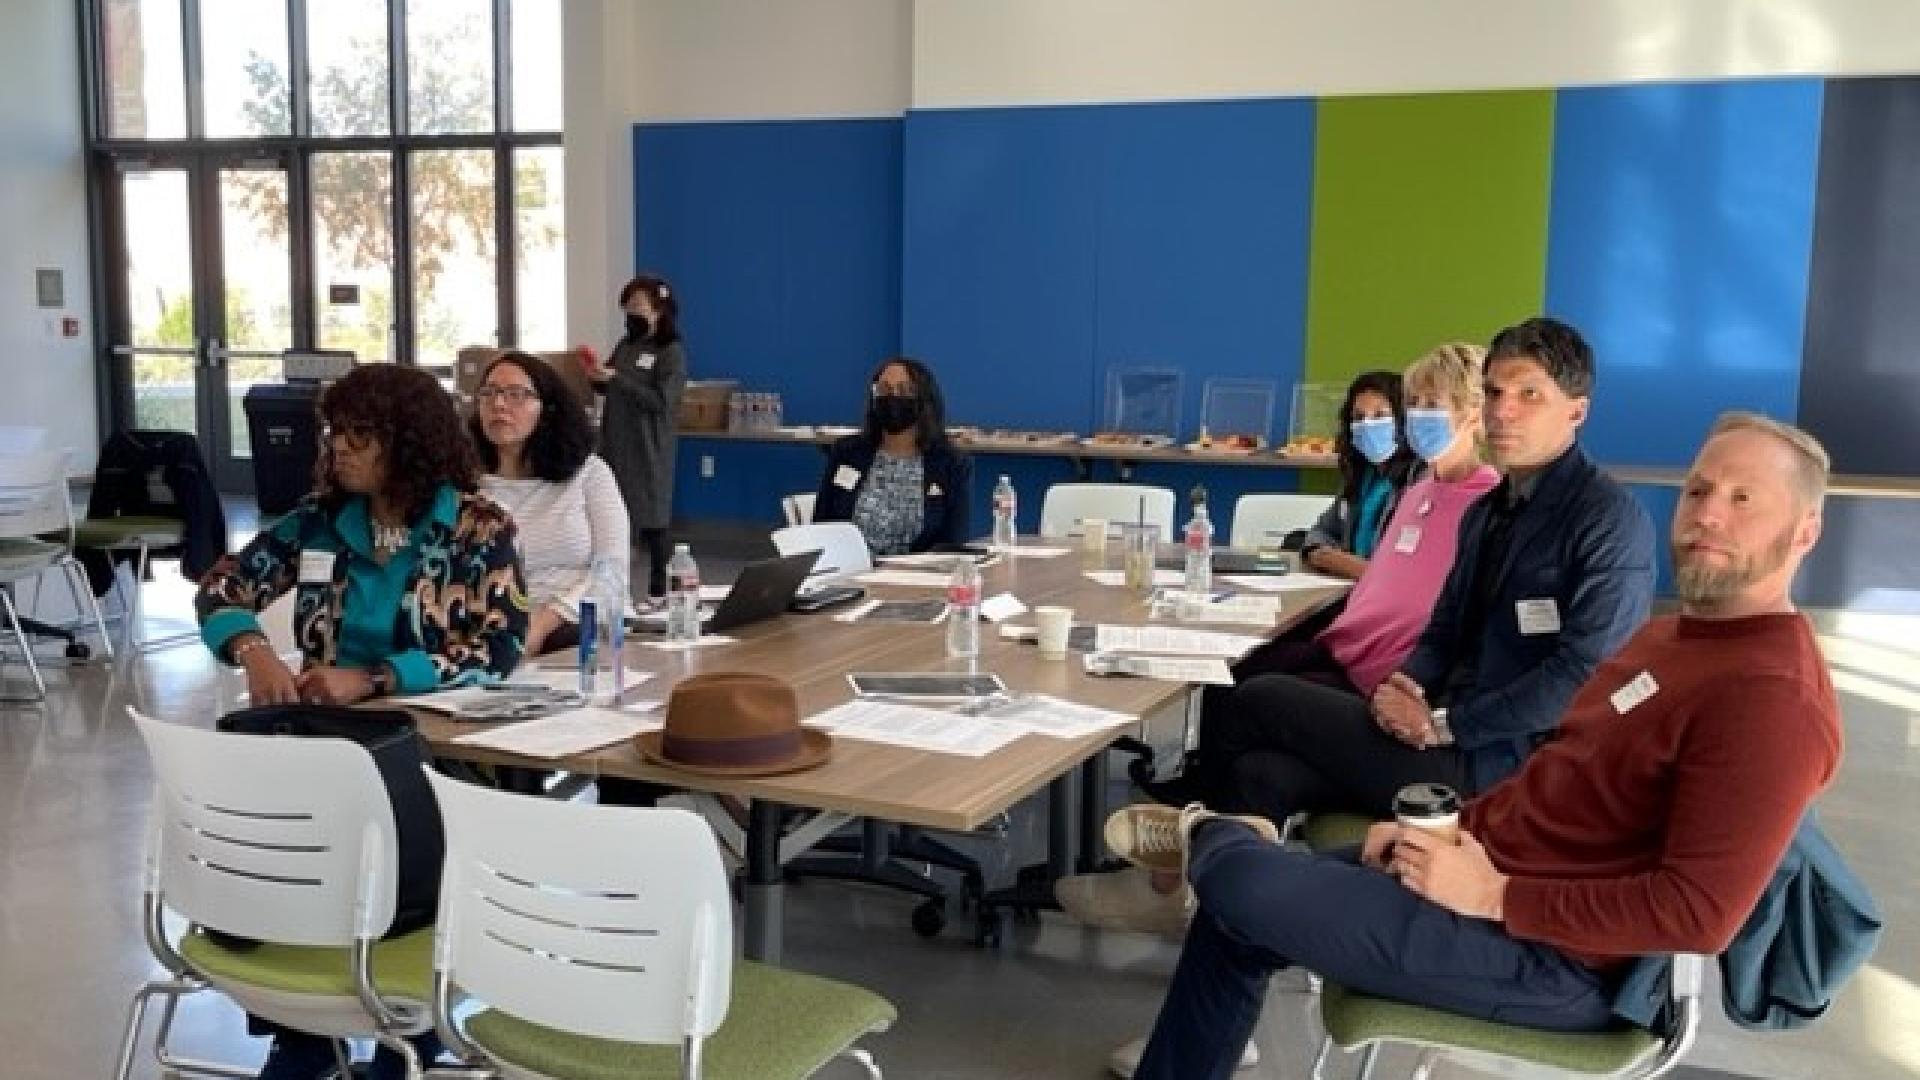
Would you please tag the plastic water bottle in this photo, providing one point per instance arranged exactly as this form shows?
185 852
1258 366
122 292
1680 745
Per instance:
963 610
683 596
1005 502
1199 543
603 665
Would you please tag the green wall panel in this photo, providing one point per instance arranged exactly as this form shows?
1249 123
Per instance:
1429 224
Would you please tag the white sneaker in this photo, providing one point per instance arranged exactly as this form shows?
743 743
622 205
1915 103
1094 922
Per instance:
1125 900
1125 1060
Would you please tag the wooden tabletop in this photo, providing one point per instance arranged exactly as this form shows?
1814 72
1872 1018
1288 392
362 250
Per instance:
1075 450
815 652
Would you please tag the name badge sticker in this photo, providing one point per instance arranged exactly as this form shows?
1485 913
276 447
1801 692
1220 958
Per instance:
1408 541
1637 690
644 361
1540 615
846 478
316 567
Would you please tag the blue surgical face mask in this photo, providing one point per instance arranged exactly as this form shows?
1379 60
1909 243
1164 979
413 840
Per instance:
1374 438
1429 432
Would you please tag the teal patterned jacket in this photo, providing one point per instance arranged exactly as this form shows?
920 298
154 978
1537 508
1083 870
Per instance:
457 615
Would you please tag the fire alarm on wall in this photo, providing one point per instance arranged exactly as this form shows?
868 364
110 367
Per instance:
69 327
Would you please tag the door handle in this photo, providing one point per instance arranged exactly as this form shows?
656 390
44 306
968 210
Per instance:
215 354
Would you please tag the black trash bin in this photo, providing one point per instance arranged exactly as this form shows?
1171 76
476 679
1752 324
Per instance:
281 428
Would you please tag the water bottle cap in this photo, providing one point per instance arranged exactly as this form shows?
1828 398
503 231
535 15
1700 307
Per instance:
682 549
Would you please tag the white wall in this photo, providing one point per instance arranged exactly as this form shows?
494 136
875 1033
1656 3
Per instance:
630 61
48 380
1024 52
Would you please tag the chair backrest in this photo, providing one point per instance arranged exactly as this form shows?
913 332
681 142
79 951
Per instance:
22 438
274 839
1066 504
625 931
843 549
34 499
1276 511
798 508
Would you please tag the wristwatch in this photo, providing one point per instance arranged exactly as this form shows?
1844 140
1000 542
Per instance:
380 681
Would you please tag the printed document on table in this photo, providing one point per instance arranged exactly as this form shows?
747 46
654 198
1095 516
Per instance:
1116 577
916 728
1300 581
1045 714
1171 640
925 579
575 731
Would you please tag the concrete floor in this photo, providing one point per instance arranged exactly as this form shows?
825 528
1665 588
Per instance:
74 790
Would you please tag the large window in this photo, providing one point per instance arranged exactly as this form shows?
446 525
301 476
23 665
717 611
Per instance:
383 176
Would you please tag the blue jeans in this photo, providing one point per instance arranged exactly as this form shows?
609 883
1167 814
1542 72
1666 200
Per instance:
1263 908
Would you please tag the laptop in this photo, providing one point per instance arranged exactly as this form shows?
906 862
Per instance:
763 590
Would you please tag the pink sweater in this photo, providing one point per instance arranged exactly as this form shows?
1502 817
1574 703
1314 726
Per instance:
1390 605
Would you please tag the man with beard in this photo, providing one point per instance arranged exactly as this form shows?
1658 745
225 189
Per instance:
1649 824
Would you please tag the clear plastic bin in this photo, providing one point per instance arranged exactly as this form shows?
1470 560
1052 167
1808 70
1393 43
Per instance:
1143 402
1238 413
1316 418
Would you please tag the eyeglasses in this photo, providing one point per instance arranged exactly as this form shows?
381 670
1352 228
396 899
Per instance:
356 436
512 395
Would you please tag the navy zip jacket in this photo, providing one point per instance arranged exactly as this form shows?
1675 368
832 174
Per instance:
1581 543
948 477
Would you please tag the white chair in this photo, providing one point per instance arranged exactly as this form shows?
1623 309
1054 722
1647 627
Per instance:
1067 504
798 508
1279 511
843 549
22 438
612 954
34 504
289 842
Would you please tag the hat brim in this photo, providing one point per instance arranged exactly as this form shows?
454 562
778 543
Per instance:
815 748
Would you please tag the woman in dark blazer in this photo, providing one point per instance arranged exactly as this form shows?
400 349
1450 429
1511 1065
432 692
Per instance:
899 480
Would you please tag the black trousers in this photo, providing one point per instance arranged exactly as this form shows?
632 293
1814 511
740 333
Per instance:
657 556
1209 770
1297 746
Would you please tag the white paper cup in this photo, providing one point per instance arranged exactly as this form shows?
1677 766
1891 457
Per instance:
1093 539
1432 808
1054 624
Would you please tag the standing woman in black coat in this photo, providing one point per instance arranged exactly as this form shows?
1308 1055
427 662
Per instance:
643 381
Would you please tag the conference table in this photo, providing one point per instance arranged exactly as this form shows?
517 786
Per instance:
891 783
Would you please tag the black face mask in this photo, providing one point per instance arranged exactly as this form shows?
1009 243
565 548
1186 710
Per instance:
895 414
638 326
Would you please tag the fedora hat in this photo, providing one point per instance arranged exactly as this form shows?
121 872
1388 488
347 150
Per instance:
734 723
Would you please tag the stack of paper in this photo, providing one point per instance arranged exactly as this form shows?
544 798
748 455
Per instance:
925 579
1171 641
1116 577
1278 583
916 728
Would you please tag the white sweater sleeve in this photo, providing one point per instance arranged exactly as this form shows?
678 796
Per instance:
606 521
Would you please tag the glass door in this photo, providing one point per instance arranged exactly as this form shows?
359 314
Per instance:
203 278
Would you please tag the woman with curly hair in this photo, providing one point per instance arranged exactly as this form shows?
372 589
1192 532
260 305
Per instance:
406 579
536 445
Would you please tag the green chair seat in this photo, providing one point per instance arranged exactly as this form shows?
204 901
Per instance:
118 532
402 966
1352 1019
1331 832
780 1024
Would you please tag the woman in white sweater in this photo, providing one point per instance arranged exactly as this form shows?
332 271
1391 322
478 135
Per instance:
536 444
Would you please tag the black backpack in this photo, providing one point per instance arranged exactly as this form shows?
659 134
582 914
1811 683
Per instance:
398 752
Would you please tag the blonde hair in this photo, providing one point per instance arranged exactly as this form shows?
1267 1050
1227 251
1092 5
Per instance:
1452 370
1811 464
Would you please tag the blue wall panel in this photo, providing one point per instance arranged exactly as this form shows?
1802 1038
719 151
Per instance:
1679 242
783 239
1205 212
999 238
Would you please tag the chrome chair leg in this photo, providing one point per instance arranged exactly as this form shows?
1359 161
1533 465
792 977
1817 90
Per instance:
1368 1060
26 647
864 1060
1423 1068
84 601
1320 1059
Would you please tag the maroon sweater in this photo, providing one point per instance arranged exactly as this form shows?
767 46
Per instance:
1654 829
